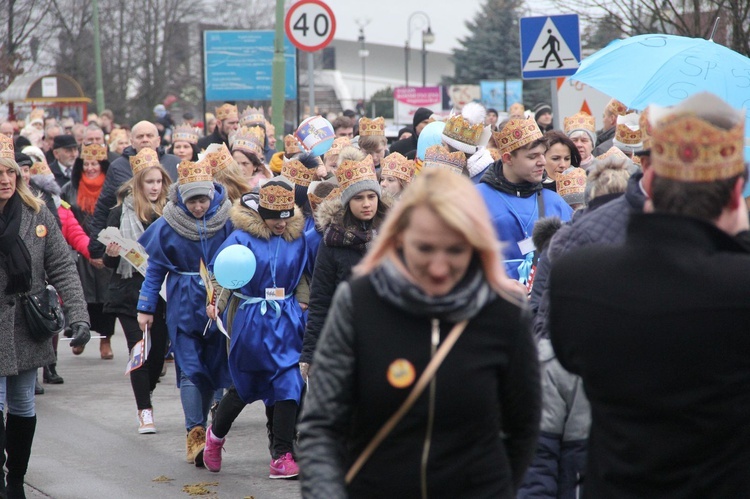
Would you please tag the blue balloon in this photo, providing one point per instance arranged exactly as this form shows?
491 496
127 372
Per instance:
322 148
431 135
234 266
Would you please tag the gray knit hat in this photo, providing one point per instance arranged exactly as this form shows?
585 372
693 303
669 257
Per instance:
355 177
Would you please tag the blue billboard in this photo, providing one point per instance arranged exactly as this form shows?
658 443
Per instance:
238 65
496 93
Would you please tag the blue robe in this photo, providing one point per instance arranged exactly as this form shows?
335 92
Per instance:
516 224
267 335
313 238
202 358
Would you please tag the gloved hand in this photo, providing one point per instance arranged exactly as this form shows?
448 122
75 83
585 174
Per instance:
80 333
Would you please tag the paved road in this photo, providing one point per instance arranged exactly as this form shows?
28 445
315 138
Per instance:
87 444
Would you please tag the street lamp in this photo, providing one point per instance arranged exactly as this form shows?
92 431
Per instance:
427 37
363 53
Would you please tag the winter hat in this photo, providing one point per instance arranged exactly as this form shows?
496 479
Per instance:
420 115
580 122
541 109
195 179
466 131
276 199
64 142
355 177
571 185
36 154
23 159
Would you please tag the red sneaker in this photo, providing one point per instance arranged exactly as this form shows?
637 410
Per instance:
284 467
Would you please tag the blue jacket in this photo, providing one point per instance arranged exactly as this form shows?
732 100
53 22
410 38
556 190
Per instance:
202 357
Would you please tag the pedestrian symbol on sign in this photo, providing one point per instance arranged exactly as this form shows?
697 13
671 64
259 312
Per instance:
550 46
553 44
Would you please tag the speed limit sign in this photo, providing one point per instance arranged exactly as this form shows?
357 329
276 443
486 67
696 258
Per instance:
310 25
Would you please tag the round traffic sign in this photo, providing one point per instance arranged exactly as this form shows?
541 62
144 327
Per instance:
310 25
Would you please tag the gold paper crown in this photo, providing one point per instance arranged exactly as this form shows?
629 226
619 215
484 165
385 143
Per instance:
617 108
627 132
118 133
190 172
645 125
338 144
298 173
438 156
146 158
371 127
95 152
249 140
686 148
291 146
517 133
253 117
350 172
277 198
218 160
315 200
579 121
396 165
36 114
226 111
40 169
185 133
612 151
459 128
6 147
572 182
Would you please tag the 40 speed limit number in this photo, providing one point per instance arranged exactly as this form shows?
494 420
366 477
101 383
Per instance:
310 25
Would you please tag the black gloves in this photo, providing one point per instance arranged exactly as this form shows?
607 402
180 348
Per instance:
80 333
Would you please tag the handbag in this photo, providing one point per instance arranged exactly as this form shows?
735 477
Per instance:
44 313
422 383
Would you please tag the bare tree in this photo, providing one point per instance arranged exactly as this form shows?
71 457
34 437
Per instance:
18 45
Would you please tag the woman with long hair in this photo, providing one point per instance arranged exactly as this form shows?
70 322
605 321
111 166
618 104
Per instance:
185 143
32 253
141 202
349 223
81 193
561 154
226 171
432 287
247 151
396 174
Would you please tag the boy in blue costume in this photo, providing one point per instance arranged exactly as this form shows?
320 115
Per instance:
194 224
512 190
267 321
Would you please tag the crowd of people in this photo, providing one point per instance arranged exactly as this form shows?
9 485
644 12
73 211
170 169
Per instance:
425 318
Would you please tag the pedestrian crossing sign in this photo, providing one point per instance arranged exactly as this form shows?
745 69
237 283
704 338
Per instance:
550 46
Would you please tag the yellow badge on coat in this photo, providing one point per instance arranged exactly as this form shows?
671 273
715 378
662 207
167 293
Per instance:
41 231
401 373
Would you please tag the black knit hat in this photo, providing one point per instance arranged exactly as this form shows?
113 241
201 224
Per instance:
23 159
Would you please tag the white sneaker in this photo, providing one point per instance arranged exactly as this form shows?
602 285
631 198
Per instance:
146 421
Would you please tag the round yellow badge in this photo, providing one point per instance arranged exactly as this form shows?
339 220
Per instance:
41 231
401 373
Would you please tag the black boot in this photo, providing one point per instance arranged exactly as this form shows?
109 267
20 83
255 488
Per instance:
18 439
3 493
50 375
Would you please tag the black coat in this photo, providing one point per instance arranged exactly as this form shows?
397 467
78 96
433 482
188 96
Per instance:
123 293
214 138
658 331
59 173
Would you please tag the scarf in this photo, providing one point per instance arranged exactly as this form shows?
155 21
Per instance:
192 229
358 239
495 178
130 228
12 248
88 192
464 301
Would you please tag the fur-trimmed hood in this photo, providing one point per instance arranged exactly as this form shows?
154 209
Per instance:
331 211
250 221
544 230
45 183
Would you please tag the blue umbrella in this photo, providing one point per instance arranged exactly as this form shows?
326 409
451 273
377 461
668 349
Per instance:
665 69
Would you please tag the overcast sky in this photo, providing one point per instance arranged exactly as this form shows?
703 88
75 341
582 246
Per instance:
388 20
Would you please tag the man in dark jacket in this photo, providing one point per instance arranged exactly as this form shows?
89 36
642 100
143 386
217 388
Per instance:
143 134
422 118
65 150
227 121
663 353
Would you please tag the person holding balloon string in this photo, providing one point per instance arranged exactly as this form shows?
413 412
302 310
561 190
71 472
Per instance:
264 319
194 224
140 203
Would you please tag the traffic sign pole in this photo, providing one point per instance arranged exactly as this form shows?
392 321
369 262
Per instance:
310 25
